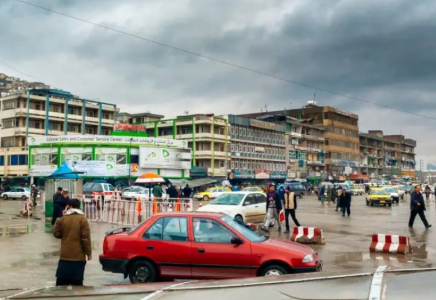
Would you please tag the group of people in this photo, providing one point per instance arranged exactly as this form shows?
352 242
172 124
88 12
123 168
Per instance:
172 191
338 195
71 226
275 204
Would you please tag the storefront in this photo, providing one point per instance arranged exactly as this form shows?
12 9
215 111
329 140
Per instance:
109 157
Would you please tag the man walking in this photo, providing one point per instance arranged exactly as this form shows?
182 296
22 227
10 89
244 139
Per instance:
273 207
157 191
345 202
290 205
73 230
338 198
417 207
322 194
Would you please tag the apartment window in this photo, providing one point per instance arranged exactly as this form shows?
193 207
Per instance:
90 130
301 155
2 160
10 123
245 131
186 130
236 164
8 142
55 108
9 104
35 106
106 116
232 147
18 160
73 128
232 164
106 131
90 113
53 126
73 111
35 124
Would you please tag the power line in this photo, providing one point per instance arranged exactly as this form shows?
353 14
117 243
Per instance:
222 61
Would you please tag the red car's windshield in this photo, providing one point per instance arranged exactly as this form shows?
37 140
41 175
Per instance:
250 235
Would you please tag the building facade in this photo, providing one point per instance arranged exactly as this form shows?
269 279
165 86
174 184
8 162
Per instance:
341 150
304 147
128 118
46 113
387 156
257 150
207 135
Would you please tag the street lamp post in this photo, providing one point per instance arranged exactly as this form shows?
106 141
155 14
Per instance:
130 163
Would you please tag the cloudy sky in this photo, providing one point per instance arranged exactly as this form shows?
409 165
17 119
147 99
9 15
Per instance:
379 51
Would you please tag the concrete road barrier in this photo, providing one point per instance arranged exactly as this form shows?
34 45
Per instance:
386 243
308 235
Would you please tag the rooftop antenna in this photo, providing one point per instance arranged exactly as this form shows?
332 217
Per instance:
186 112
266 108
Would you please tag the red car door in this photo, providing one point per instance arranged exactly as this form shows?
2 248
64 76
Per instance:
166 243
214 256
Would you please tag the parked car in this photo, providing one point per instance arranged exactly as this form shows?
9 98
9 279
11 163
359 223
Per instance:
378 196
93 189
296 187
212 193
253 189
246 207
356 190
208 246
16 193
134 192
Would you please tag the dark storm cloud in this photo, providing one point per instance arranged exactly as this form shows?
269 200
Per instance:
381 51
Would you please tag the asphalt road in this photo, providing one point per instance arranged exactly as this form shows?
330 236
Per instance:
30 253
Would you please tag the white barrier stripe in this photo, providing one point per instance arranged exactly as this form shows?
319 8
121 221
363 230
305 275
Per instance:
375 293
393 248
311 232
395 239
381 238
379 246
300 232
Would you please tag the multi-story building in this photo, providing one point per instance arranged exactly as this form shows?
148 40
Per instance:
207 135
342 155
399 156
305 147
46 112
371 155
387 156
128 118
257 150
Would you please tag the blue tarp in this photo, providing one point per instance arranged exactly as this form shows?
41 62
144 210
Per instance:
64 172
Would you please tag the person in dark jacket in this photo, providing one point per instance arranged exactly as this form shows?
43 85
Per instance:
334 194
74 232
34 194
273 207
58 205
187 191
290 205
172 192
322 194
345 202
417 207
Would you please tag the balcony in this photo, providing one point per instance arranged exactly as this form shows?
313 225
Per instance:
296 134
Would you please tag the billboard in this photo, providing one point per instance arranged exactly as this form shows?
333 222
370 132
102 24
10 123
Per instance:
99 168
164 158
43 161
76 153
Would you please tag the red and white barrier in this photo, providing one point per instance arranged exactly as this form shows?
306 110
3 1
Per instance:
308 235
386 243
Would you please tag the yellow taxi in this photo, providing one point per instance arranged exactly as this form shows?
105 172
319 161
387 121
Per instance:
378 196
212 193
253 189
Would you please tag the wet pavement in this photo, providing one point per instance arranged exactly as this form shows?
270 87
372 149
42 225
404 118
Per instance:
30 252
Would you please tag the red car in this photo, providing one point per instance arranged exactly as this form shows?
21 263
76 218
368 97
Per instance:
200 245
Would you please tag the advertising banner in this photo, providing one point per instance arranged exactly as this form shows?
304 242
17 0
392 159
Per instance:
43 161
76 153
99 168
261 174
105 139
164 158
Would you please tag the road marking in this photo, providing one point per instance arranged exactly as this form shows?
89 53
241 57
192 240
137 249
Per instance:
375 292
152 295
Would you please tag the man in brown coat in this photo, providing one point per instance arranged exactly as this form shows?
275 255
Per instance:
73 230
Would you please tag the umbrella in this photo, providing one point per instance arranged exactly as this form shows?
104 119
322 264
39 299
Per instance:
150 177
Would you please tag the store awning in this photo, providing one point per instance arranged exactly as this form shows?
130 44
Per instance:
193 183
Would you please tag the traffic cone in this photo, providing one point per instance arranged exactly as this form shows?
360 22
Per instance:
178 204
139 209
154 206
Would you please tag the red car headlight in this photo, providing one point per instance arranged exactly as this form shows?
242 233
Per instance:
308 258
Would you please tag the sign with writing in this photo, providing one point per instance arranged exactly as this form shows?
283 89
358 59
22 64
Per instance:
99 168
262 124
129 127
105 139
261 174
76 153
164 158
